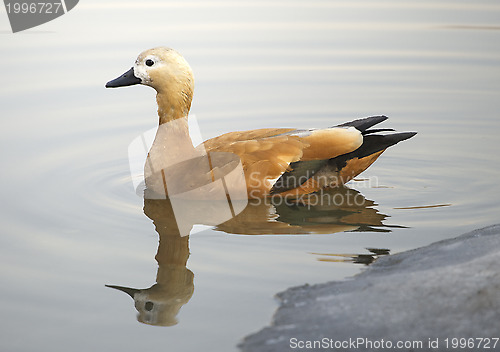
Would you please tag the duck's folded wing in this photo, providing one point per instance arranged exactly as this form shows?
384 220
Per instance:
330 142
231 137
317 143
268 158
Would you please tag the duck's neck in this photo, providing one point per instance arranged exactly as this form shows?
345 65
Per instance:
173 121
172 143
171 108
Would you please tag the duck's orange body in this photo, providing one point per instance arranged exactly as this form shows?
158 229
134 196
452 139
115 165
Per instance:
275 161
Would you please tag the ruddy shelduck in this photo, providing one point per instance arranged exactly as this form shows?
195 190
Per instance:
275 161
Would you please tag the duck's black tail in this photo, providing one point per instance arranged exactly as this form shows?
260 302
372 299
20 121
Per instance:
349 165
372 142
364 124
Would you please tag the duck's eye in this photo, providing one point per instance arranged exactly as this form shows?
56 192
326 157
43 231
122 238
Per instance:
149 306
149 62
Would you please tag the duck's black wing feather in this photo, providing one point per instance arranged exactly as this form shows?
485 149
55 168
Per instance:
300 171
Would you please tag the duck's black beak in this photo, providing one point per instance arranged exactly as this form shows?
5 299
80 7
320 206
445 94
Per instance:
129 291
127 79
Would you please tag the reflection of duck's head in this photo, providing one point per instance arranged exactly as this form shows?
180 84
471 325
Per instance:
166 71
160 304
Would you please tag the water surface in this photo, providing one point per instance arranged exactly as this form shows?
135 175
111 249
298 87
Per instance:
72 222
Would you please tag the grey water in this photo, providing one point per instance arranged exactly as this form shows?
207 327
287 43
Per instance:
73 223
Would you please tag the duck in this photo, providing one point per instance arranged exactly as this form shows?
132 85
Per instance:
286 162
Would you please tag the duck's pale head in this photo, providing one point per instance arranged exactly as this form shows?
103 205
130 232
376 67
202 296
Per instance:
166 71
159 68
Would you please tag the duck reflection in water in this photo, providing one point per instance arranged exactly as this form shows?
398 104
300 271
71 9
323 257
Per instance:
160 303
338 210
